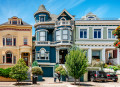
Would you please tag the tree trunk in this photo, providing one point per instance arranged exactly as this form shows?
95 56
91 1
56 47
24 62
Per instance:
74 81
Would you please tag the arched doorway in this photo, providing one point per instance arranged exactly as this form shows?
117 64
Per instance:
26 56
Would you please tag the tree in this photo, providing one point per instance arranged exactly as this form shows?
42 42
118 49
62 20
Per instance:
19 71
76 63
61 70
35 63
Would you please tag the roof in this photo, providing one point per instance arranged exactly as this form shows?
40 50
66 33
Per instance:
22 24
41 9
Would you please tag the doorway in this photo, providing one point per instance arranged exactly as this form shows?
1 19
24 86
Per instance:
25 56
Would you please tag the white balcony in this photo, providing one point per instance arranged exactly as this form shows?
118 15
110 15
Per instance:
64 23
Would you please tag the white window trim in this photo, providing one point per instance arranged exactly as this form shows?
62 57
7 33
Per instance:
87 32
101 32
107 33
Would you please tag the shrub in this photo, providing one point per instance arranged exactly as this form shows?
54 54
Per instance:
105 65
115 68
118 67
61 70
1 71
37 71
19 71
35 63
6 72
57 65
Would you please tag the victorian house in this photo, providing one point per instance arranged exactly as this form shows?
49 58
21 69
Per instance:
53 37
15 42
95 36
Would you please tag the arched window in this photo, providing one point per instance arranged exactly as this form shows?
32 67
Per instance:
42 51
8 57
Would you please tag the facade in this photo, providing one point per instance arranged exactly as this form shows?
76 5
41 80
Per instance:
15 42
53 37
95 36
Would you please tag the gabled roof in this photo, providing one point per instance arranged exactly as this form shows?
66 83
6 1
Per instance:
67 13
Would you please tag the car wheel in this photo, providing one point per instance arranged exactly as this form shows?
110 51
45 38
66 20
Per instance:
92 79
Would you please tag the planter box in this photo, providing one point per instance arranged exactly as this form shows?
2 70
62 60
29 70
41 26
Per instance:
40 78
63 78
3 79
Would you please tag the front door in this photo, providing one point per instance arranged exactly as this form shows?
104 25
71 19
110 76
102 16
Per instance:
26 60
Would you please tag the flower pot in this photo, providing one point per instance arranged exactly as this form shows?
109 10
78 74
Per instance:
39 78
63 78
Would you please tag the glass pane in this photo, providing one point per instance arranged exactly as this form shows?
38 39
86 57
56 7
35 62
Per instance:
57 32
42 38
81 34
99 34
109 34
8 41
65 31
85 34
65 37
95 34
58 38
42 53
42 33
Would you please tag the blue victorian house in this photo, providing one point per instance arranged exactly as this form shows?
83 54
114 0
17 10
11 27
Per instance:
53 37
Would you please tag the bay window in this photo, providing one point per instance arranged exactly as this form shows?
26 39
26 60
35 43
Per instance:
42 35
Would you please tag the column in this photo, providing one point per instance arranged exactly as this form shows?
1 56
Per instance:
57 56
89 55
118 56
103 55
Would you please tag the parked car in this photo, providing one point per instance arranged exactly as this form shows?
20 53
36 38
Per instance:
112 76
97 76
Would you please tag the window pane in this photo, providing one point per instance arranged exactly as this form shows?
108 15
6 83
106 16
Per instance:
99 34
25 41
95 34
57 32
85 34
109 34
81 34
58 38
42 38
42 33
8 41
3 59
14 41
3 41
14 59
42 19
65 37
8 57
65 31
42 53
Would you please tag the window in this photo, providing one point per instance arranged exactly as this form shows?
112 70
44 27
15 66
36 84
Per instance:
9 41
14 22
65 34
97 33
58 35
42 19
3 59
14 41
42 35
70 35
42 54
25 41
3 41
8 57
83 33
14 60
110 35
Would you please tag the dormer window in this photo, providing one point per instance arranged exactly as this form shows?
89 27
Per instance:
14 22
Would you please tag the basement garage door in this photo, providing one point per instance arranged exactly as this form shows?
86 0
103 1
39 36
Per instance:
47 71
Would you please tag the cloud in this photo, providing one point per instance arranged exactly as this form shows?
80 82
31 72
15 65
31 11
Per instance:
101 11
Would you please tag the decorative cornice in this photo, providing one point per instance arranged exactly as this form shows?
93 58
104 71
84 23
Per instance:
15 29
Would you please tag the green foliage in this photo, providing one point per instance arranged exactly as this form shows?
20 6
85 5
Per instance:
5 72
37 71
35 63
115 68
61 70
19 71
76 62
57 65
105 65
118 67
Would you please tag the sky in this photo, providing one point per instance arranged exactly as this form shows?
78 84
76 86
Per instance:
26 8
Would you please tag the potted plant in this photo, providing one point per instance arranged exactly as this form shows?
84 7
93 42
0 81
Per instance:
62 72
37 72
